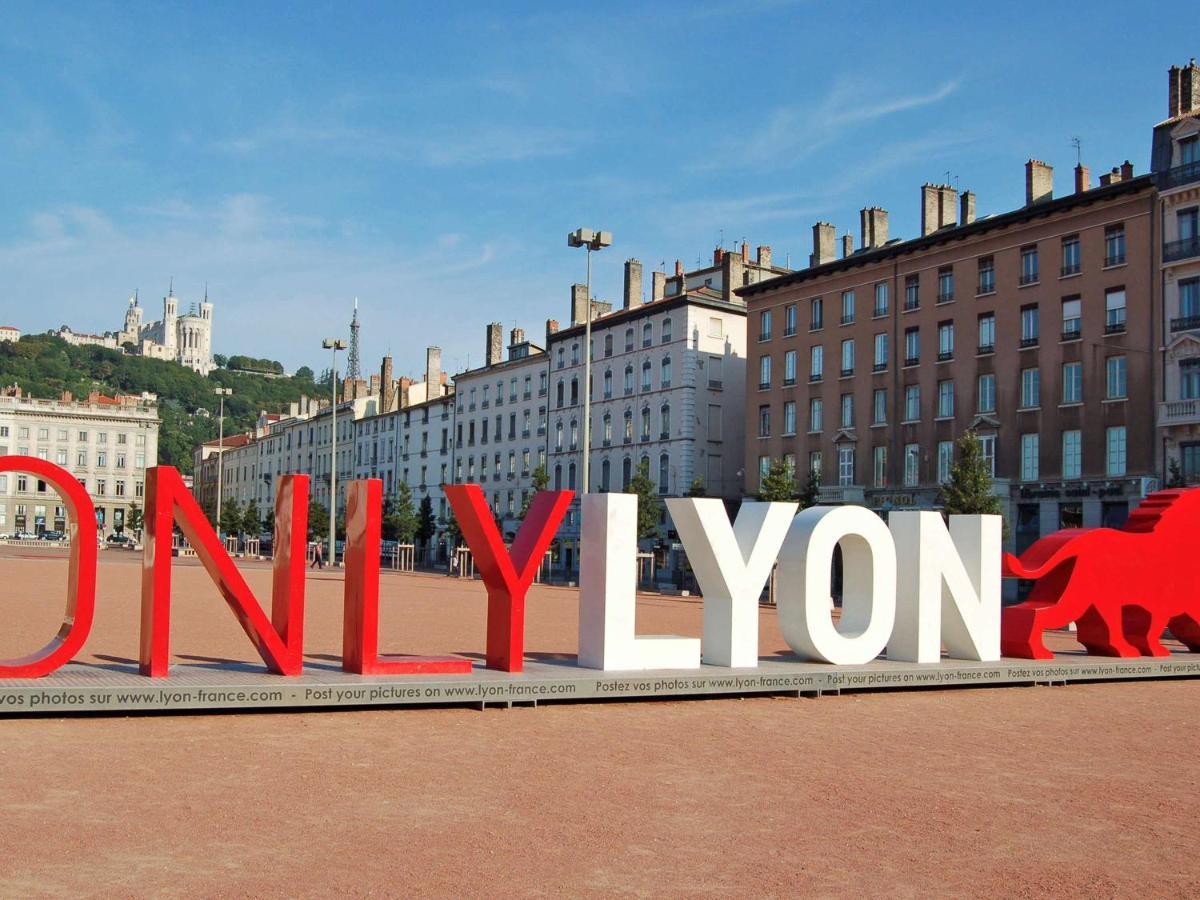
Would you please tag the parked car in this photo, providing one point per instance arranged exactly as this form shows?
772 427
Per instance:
53 535
120 539
24 536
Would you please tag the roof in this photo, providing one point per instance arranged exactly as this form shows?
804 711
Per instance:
702 296
232 441
954 233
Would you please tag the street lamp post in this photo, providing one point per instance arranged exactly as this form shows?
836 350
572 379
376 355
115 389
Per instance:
334 345
592 240
222 393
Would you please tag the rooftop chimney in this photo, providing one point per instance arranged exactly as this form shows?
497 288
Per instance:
1189 87
387 385
1113 177
745 252
633 283
516 337
1039 182
658 288
847 244
494 353
718 255
947 205
1173 78
1083 178
966 207
433 372
678 268
764 257
1126 170
929 208
551 328
824 238
874 227
579 304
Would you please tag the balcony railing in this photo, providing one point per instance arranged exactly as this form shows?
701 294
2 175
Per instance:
815 376
912 360
879 367
987 348
1179 412
945 296
910 305
1183 249
1027 342
1114 327
1028 278
1071 334
848 320
1069 269
945 355
846 373
1178 176
1116 259
1185 323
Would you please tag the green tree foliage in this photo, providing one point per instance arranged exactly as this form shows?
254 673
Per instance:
540 479
812 489
969 489
318 521
697 488
649 506
304 373
231 517
1175 477
253 364
400 516
779 484
426 522
134 517
221 359
45 366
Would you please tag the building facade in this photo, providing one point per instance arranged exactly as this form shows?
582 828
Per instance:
107 443
1035 328
1175 158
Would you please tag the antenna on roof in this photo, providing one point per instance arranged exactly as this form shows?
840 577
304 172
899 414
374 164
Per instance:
171 287
206 291
1078 145
722 244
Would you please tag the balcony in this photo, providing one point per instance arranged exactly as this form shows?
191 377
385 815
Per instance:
945 355
846 373
1068 269
910 305
1185 323
912 360
842 493
1027 278
1173 251
986 348
848 320
1071 334
814 377
1027 342
945 297
1178 176
879 367
1179 412
1117 259
1114 327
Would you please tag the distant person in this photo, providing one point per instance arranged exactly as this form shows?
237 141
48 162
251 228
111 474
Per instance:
318 557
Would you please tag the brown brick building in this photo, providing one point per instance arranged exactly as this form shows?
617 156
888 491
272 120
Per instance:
1035 327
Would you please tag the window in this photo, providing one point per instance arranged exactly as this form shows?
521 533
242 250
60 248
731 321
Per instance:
986 393
665 337
716 328
987 447
945 398
987 333
847 307
1029 457
814 463
847 410
879 406
912 292
764 468
1114 452
1115 387
817 314
816 414
628 380
1031 387
1029 265
912 465
627 434
647 335
1072 382
558 436
764 372
945 341
987 276
626 473
845 465
945 460
881 351
665 372
1189 304
664 473
1189 379
1114 245
1070 255
607 383
629 339
1030 322
646 378
646 423
606 434
764 325
879 466
945 284
881 300
816 363
912 346
789 367
1070 317
764 421
790 319
1114 310
1071 454
847 357
605 475
608 347
789 417
912 402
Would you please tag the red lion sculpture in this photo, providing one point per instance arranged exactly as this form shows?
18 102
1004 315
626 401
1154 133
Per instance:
1121 587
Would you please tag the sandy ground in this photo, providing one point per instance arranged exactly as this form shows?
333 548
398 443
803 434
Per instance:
1087 789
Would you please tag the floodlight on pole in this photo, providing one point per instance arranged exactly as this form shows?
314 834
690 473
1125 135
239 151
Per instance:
222 393
335 345
592 240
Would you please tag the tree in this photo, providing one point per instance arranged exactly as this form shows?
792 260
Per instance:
231 517
779 484
318 521
399 516
1174 474
220 359
541 481
426 523
969 488
453 531
697 489
133 518
649 506
304 373
812 489
209 508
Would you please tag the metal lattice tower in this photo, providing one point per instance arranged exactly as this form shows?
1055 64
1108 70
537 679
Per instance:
352 370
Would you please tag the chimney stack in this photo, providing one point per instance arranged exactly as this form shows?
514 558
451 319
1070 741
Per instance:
745 252
1126 170
847 244
1083 178
1113 177
387 385
633 283
1039 182
1189 87
824 238
718 255
764 257
874 227
658 288
516 337
433 372
551 329
929 208
947 206
494 353
579 304
678 270
1174 76
966 206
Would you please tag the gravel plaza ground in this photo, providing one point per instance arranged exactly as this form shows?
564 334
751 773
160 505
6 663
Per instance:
1086 789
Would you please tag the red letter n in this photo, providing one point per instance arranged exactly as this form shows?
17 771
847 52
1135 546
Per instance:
279 640
507 577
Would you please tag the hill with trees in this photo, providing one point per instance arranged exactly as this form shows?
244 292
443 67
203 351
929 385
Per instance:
45 366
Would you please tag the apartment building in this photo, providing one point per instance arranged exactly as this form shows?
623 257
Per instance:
1175 159
1035 328
107 443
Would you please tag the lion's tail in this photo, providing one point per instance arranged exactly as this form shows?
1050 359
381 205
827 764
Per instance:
1041 563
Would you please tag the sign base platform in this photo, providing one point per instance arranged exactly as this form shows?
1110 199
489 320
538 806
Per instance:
117 689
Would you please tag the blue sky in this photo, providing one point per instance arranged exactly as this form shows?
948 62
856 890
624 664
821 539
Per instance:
432 160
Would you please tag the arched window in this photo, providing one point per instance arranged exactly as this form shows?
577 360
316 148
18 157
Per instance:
647 335
558 436
607 428
575 354
558 393
561 357
608 344
626 473
558 477
628 380
574 434
605 472
646 375
628 436
645 423
571 477
666 330
574 391
664 473
665 414
608 383
628 339
665 379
